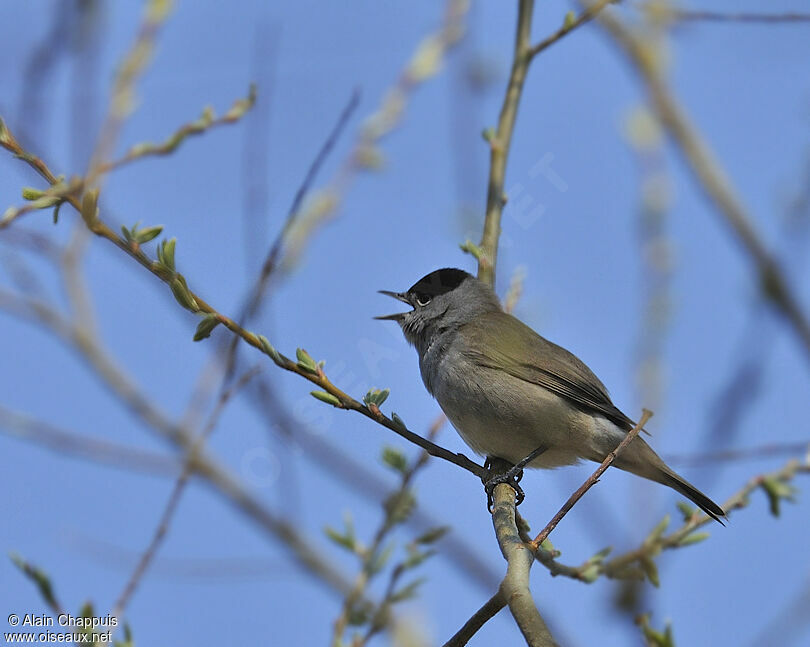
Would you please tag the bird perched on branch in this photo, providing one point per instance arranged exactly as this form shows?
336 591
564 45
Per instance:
514 395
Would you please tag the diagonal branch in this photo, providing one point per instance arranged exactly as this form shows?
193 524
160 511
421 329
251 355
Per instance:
708 173
591 481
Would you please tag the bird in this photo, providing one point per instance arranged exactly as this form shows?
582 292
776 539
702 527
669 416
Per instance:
514 395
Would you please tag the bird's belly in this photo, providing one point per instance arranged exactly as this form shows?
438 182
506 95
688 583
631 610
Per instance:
511 419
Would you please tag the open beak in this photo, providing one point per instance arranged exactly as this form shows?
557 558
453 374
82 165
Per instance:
399 296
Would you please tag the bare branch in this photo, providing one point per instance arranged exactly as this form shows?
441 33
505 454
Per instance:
488 611
515 589
174 499
708 173
687 15
570 25
20 426
501 140
591 481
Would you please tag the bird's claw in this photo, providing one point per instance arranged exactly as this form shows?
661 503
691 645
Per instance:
511 477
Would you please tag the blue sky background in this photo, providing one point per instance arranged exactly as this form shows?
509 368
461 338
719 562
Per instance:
217 578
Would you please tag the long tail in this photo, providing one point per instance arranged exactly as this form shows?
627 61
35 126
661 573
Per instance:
670 478
639 458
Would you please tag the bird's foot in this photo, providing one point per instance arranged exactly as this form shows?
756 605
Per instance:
511 476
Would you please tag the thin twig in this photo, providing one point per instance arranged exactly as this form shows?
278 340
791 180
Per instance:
709 174
174 499
591 481
488 611
624 566
734 455
256 294
585 17
24 427
122 99
216 476
687 15
98 227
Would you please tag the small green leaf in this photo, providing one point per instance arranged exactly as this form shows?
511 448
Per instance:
398 422
346 541
694 538
268 349
30 193
127 233
348 538
150 233
686 510
591 573
376 397
165 253
470 247
379 560
548 546
182 294
206 326
359 615
408 591
656 532
56 209
777 490
323 396
90 207
399 506
395 459
128 641
38 577
599 557
569 20
305 361
650 570
416 557
653 636
433 535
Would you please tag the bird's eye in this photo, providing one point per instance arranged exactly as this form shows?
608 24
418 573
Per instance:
422 299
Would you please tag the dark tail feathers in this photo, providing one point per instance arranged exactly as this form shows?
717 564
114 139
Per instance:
696 496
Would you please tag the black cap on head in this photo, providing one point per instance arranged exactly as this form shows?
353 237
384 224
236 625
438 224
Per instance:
439 282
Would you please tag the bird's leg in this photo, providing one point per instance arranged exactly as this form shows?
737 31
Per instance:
510 476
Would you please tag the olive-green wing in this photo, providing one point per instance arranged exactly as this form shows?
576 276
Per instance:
502 342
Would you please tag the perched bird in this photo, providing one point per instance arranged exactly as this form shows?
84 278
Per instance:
509 392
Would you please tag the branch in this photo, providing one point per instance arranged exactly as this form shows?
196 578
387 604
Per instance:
635 564
258 291
497 602
204 465
20 426
708 173
197 304
365 154
393 510
488 611
686 15
207 121
570 25
500 141
514 589
591 481
733 455
174 499
123 100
